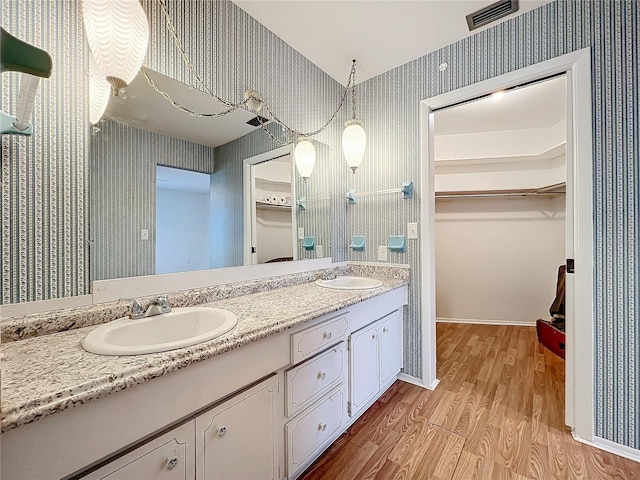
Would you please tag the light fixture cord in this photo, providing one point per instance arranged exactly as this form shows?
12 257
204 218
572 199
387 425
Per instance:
353 91
293 133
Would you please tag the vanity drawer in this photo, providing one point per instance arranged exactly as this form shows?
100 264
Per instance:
307 343
310 431
311 379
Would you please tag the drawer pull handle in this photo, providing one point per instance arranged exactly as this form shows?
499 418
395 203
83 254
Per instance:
171 463
321 375
222 431
327 335
322 427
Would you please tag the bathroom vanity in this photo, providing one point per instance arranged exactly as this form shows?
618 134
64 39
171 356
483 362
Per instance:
260 402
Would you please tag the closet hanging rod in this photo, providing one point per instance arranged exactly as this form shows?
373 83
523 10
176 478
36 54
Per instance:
548 191
495 195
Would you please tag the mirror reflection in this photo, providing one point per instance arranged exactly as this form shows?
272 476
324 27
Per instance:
167 188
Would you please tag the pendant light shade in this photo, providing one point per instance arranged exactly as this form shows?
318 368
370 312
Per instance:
354 140
305 156
99 92
118 35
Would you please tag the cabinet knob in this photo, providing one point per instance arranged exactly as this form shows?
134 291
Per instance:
385 330
373 336
327 335
321 375
222 431
171 463
322 427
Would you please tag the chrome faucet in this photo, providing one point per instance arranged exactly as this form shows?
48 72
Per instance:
158 306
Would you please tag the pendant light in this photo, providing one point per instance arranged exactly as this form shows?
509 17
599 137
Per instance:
305 157
354 138
118 35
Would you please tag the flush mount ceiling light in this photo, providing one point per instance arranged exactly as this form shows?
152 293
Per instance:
305 156
118 35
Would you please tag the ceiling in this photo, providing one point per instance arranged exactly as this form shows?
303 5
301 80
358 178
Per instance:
142 107
379 34
538 105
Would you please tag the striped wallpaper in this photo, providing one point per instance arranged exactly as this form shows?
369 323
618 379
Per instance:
389 106
44 215
45 222
122 171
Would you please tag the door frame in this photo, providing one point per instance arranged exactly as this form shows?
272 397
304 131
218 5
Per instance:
580 304
248 185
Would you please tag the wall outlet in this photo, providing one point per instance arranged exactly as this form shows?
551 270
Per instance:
144 234
301 233
412 230
319 251
382 253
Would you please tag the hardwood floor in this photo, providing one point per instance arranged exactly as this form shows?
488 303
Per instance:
497 414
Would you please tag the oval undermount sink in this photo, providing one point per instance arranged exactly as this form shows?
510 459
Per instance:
182 327
350 283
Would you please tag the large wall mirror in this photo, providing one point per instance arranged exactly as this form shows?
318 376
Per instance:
167 191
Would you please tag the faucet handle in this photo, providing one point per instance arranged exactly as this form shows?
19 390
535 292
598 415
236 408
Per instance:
163 302
136 309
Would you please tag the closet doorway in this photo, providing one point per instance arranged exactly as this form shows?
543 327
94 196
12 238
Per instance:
500 183
578 214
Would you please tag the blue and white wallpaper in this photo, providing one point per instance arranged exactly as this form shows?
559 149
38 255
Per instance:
44 215
389 106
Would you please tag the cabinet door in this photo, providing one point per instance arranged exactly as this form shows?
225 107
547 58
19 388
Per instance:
363 367
168 457
236 440
390 344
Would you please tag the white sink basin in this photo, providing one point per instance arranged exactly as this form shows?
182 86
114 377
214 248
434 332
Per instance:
179 328
350 283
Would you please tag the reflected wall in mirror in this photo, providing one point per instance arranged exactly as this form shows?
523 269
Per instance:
137 227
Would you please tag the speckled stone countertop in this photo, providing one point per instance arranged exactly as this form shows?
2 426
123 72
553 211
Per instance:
48 374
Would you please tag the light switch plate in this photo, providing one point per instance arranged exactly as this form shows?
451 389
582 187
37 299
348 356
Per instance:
382 253
301 233
144 234
412 230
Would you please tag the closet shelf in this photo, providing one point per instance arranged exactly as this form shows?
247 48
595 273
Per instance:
271 206
266 181
548 191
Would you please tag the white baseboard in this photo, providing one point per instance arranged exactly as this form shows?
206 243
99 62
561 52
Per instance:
417 381
483 321
611 447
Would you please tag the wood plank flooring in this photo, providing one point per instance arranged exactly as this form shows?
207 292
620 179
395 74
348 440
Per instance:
497 414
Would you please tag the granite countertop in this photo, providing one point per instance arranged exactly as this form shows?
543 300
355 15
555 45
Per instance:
48 374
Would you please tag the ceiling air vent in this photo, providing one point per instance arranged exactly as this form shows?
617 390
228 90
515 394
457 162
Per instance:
491 13
255 121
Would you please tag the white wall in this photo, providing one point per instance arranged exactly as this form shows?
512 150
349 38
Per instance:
497 258
182 231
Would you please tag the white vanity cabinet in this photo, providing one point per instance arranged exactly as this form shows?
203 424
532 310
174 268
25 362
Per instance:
236 440
375 359
167 457
233 441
